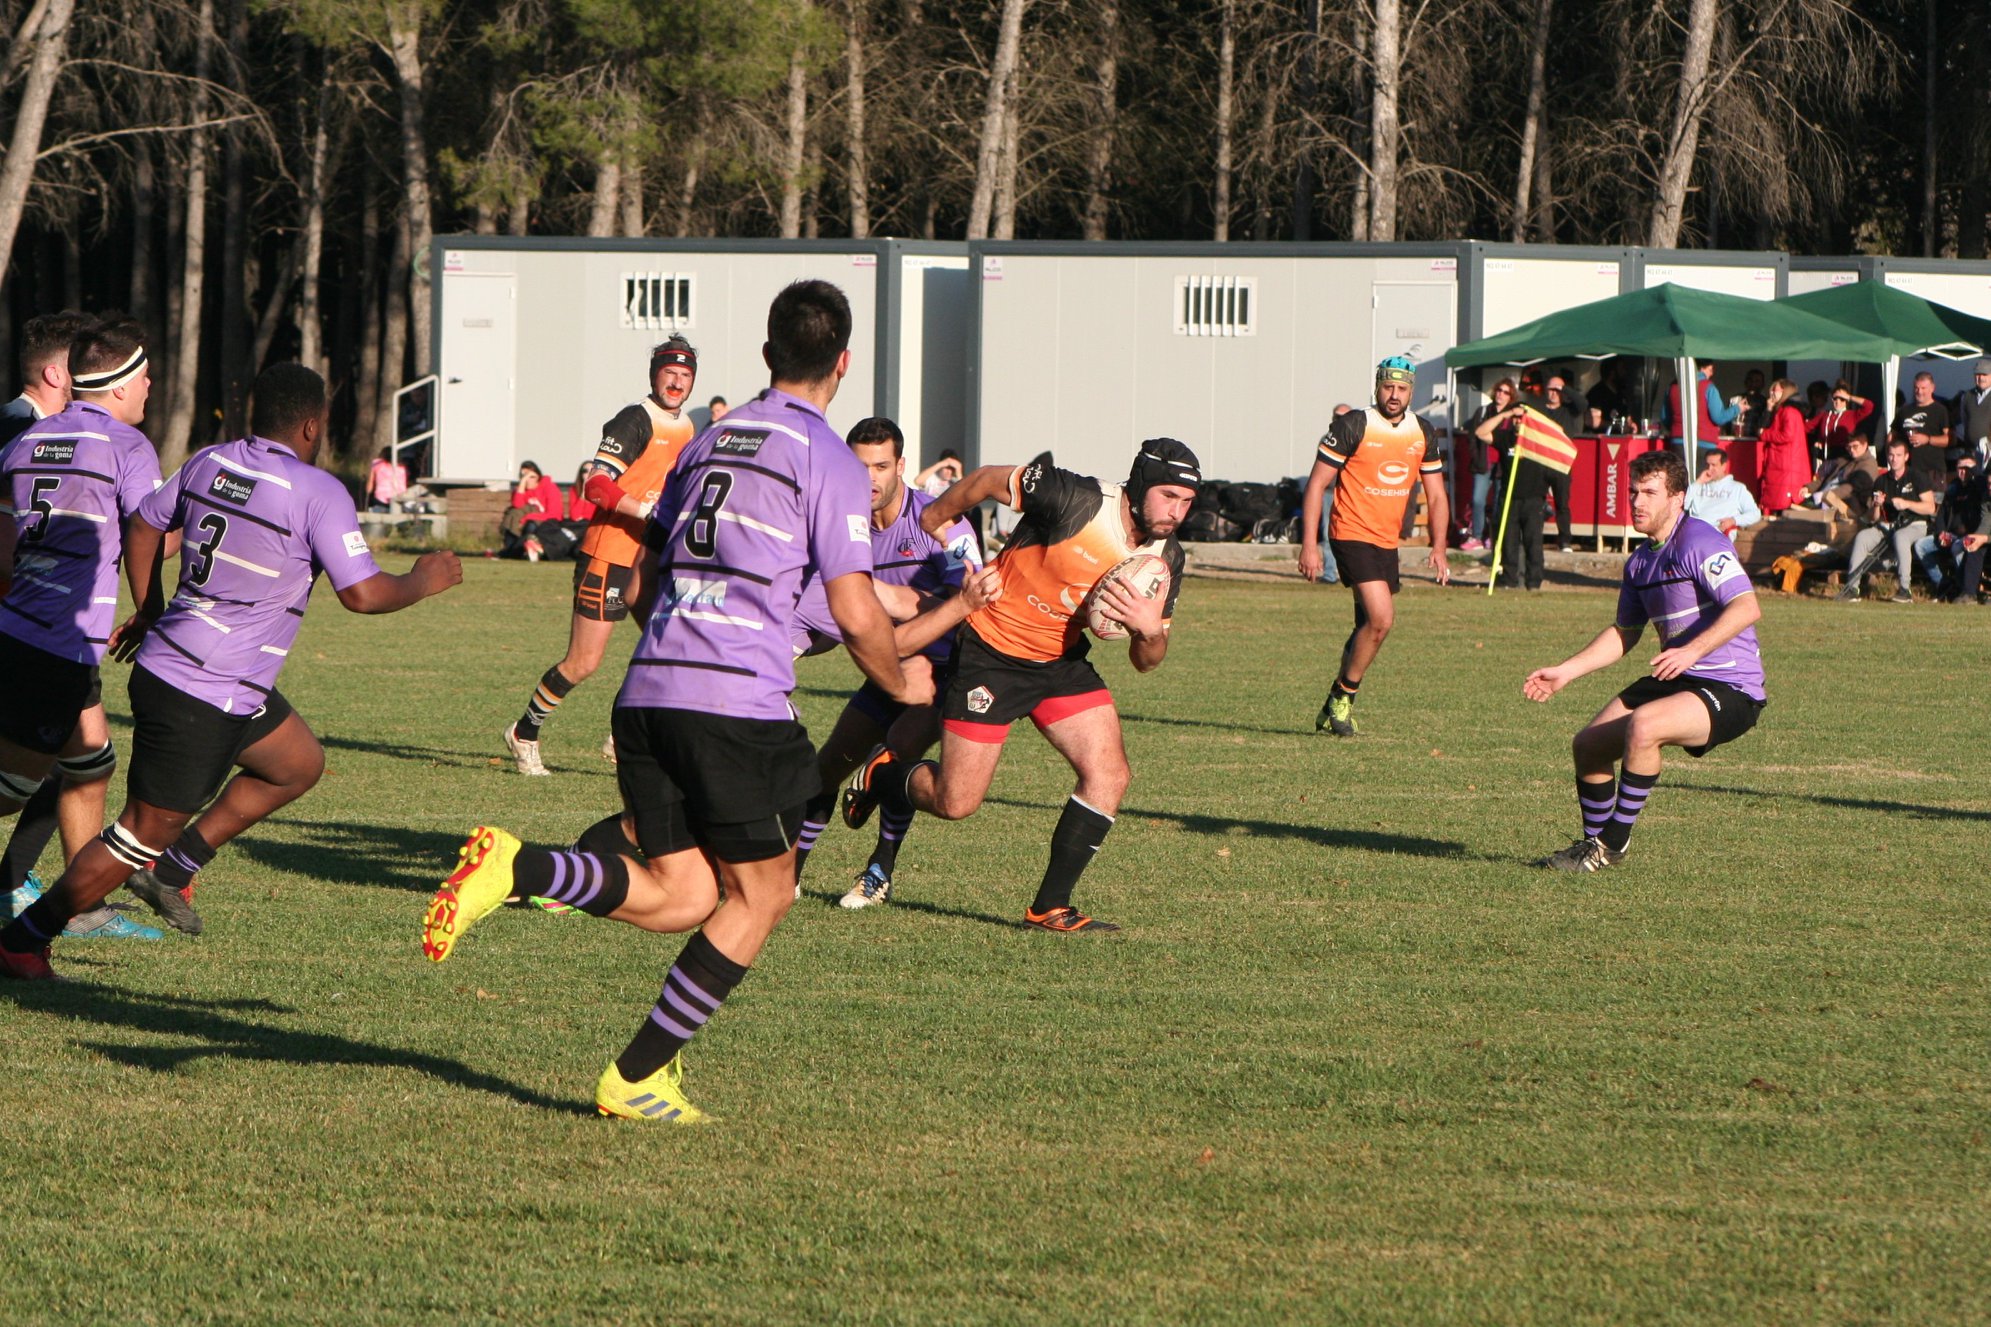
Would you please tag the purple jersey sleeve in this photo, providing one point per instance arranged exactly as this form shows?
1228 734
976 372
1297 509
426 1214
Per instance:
139 481
1719 570
839 515
160 508
1631 607
337 545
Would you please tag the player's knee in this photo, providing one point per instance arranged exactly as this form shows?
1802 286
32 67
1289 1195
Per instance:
1643 733
90 767
15 790
579 667
955 803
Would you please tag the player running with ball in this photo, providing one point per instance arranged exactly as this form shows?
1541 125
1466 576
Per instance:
1706 684
1024 654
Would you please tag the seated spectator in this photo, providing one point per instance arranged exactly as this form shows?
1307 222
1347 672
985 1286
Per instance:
556 540
1719 498
386 480
1844 414
534 498
1783 458
1953 556
1903 501
1844 483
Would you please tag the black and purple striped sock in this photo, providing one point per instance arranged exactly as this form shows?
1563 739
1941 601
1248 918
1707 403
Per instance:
179 864
590 882
815 818
698 984
1597 800
892 827
1633 789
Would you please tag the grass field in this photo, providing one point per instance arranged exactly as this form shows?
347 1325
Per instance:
1351 1061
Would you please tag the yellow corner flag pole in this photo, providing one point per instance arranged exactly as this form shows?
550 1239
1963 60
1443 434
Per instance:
1506 505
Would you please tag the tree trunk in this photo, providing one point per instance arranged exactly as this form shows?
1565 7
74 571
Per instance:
405 32
608 192
857 169
812 197
51 51
1931 59
393 335
273 307
310 318
23 43
518 218
1220 202
1524 178
367 395
1006 159
145 192
1099 152
995 119
632 199
1676 168
159 406
1262 138
1385 131
1544 189
694 163
1305 181
796 148
186 339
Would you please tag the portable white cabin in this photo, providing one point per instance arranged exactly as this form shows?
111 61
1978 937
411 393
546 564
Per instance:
1241 350
538 342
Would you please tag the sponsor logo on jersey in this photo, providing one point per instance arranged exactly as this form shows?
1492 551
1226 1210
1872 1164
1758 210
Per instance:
611 445
355 544
733 442
1393 472
905 548
55 452
860 529
691 592
1027 481
231 488
979 700
1721 568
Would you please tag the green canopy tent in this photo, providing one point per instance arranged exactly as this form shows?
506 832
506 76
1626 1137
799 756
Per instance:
1680 324
1915 325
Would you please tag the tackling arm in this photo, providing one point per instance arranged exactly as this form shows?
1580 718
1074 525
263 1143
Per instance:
989 482
867 636
382 593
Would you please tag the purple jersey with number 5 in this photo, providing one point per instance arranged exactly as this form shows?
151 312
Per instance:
1680 587
257 526
753 501
70 481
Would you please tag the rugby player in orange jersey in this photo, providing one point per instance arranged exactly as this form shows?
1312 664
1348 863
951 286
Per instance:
1371 458
638 448
1025 653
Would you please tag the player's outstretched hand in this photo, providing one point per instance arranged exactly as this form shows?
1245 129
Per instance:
1311 562
1669 664
127 637
437 571
1141 616
1544 682
1441 566
981 589
918 689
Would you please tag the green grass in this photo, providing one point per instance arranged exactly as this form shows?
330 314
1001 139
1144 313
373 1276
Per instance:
1351 1060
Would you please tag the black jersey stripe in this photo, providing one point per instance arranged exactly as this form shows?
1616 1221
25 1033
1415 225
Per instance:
713 568
178 648
693 663
33 469
731 463
233 510
18 611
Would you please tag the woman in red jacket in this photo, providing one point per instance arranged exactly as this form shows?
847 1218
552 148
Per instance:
1783 455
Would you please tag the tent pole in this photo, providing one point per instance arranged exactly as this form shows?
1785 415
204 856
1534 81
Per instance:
1687 374
1890 383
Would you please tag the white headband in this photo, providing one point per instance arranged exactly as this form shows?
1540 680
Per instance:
110 378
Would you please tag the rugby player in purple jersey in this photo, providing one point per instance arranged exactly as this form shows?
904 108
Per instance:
714 767
1706 682
260 523
67 485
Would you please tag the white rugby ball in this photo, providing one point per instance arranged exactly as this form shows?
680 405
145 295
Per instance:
1145 574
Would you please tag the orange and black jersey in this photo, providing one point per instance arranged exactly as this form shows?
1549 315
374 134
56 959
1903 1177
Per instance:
1379 463
638 448
1070 535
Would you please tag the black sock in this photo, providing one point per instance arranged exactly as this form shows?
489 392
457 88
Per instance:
1343 687
892 827
1079 833
605 838
1633 789
816 815
39 923
33 828
595 883
698 984
546 697
178 865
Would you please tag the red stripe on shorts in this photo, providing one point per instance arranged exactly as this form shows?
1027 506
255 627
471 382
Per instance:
993 733
1063 707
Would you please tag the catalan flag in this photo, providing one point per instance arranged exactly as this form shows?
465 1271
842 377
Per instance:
1540 438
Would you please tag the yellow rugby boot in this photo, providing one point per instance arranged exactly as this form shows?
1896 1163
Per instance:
659 1097
482 880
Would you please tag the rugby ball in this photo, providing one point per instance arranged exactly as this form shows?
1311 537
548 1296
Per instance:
1144 573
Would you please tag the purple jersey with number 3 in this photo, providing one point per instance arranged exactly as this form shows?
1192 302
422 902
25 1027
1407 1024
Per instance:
1680 587
70 481
257 526
901 554
753 501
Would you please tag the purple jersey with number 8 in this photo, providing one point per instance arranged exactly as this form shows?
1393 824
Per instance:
257 526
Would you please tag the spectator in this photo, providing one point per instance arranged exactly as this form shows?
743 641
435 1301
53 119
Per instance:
386 480
1973 415
942 475
1816 397
1521 549
1754 404
1609 395
1531 386
1953 557
1903 501
1720 499
1925 415
1844 483
1783 459
555 540
534 498
717 409
1712 414
1564 405
1844 415
1330 570
1492 436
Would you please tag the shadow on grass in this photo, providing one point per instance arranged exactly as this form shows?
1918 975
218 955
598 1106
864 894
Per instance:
241 1038
1848 803
354 854
1359 840
902 903
1299 729
427 755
